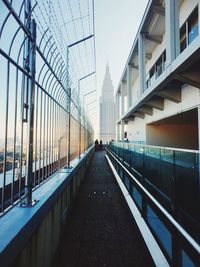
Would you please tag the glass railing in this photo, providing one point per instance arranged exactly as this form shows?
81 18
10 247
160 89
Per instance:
171 177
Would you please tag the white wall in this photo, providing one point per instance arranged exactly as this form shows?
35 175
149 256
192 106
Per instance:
136 130
135 90
190 98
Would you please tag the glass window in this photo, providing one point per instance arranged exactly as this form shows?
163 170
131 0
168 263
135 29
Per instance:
193 29
160 63
183 38
152 72
190 30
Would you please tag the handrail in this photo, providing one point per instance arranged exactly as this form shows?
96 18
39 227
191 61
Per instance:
160 147
166 214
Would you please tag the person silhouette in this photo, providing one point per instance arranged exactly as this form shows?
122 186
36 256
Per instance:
96 143
101 145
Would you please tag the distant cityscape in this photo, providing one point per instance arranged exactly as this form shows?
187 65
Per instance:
10 147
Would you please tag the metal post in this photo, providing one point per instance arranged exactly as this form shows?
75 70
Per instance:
30 127
69 109
79 106
69 90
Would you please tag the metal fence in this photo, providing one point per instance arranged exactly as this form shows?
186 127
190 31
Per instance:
166 194
39 112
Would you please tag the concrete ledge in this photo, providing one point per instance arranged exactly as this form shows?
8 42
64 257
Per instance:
20 225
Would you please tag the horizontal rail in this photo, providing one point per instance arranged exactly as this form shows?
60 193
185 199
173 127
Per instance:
159 147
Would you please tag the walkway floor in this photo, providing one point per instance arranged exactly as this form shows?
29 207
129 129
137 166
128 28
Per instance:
100 231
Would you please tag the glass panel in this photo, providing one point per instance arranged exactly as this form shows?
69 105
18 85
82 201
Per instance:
160 230
153 152
126 182
74 145
186 260
137 197
187 183
183 38
193 28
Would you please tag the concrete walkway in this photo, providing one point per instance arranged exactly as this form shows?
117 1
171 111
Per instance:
100 231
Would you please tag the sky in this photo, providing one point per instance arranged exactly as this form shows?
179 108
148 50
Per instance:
116 23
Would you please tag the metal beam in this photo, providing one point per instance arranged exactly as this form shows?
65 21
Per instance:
86 76
82 40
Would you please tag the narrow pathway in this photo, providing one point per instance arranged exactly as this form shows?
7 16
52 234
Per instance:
101 231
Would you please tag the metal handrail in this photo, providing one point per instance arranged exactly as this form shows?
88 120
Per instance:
161 147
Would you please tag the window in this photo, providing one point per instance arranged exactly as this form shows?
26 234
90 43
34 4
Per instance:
183 38
193 29
160 64
152 72
190 30
157 69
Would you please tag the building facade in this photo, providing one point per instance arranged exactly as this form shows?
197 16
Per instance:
107 109
158 96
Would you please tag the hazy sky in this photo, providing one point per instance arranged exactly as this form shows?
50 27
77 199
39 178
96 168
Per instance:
117 22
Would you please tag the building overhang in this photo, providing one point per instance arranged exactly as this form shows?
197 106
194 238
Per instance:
185 69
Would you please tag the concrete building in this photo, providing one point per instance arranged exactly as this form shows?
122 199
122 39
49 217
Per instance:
158 96
107 109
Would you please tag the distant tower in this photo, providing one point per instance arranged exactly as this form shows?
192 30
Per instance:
107 109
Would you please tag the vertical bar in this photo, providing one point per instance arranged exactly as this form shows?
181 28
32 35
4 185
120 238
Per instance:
69 109
36 138
15 133
22 135
58 117
44 140
79 106
144 199
41 116
6 139
31 99
52 143
176 253
57 134
47 142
